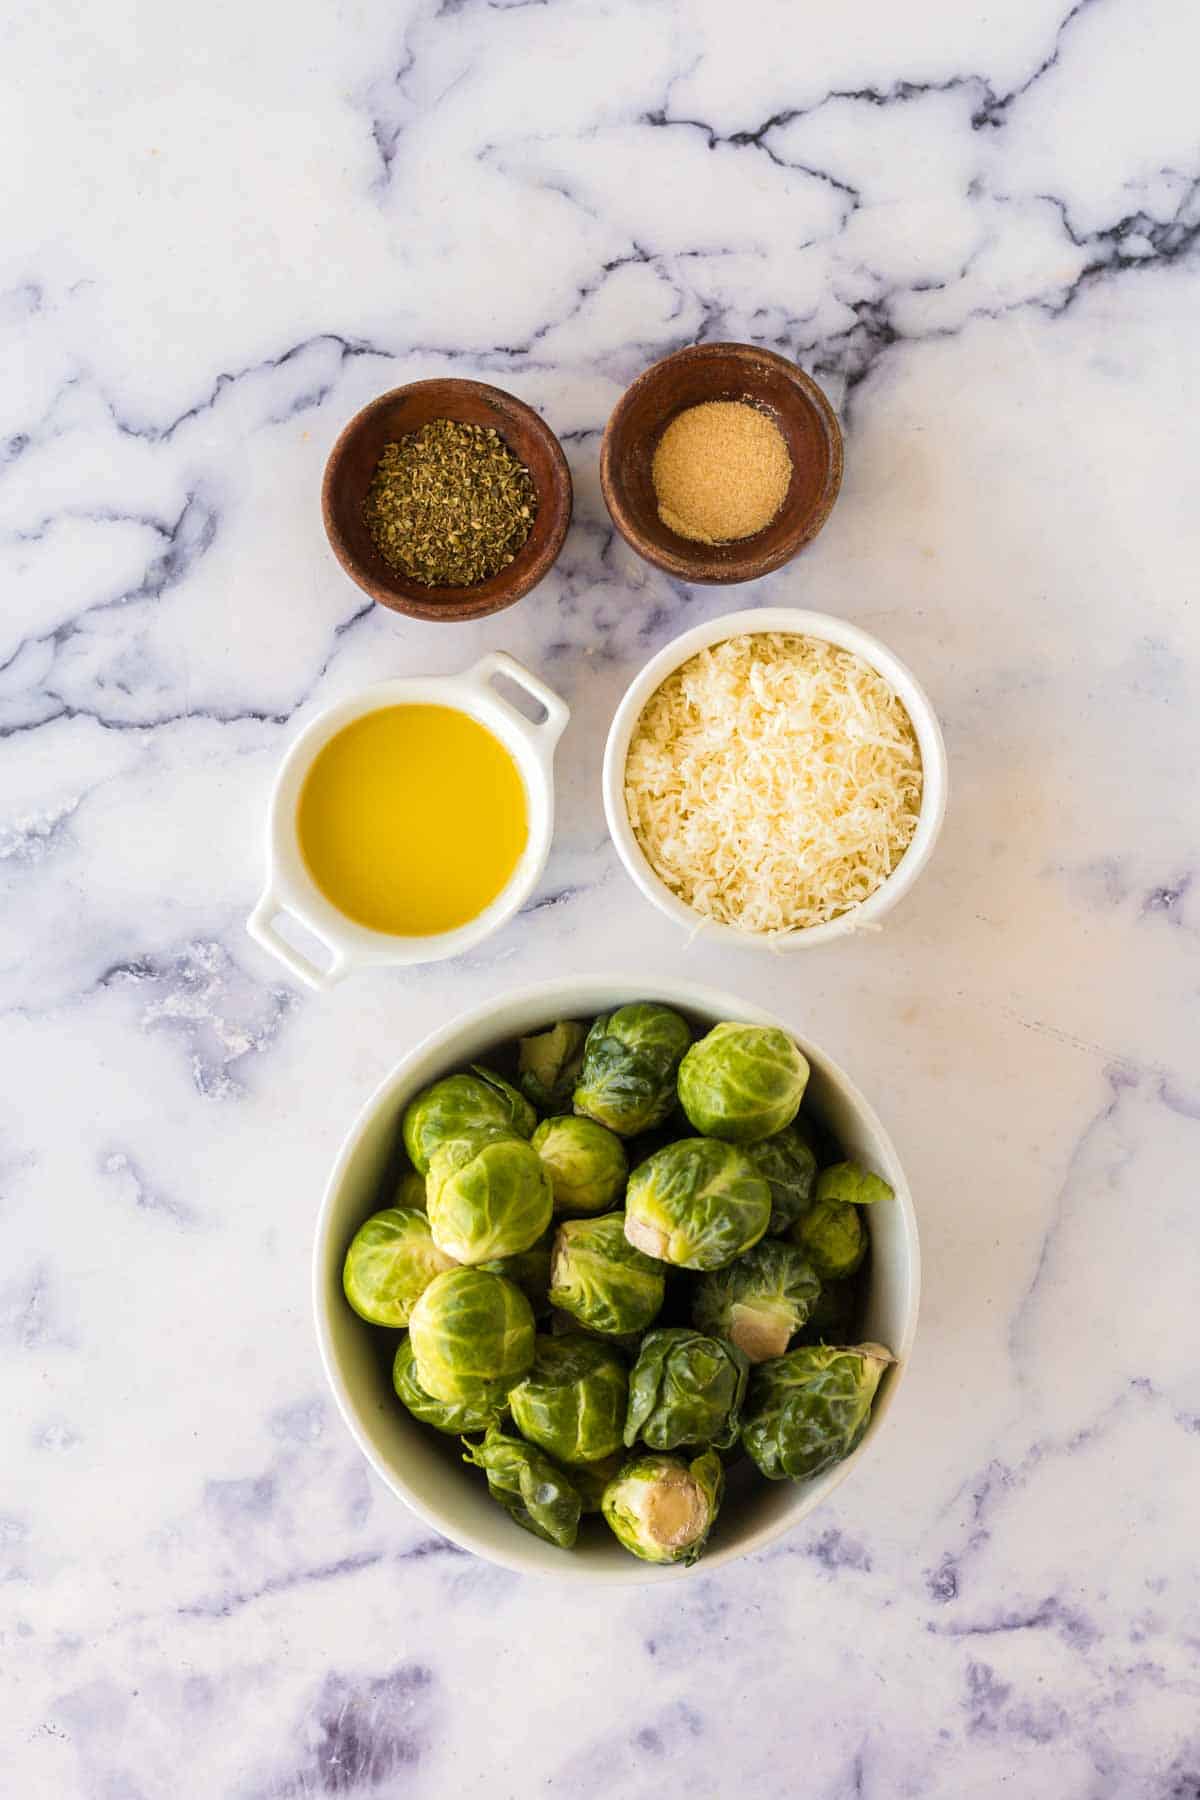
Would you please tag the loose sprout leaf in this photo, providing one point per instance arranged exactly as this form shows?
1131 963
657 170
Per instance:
850 1182
742 1082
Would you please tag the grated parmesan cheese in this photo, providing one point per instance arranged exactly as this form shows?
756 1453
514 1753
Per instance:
773 782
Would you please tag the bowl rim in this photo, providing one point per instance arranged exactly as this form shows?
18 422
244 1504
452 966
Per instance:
800 622
499 591
585 992
696 564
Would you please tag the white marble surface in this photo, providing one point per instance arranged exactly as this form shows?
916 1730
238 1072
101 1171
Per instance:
225 229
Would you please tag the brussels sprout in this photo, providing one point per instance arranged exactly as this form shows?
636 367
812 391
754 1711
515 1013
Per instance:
585 1161
629 1066
601 1279
685 1389
697 1203
548 1065
488 1195
832 1236
537 1494
852 1184
832 1319
454 1417
663 1508
807 1410
472 1337
787 1163
410 1190
529 1270
391 1261
760 1301
742 1082
572 1401
459 1104
591 1479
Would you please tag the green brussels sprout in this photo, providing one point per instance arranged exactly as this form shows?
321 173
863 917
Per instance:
472 1337
697 1203
856 1186
808 1409
685 1389
453 1417
571 1402
488 1194
548 1065
601 1279
459 1104
591 1479
787 1163
529 1270
663 1508
630 1061
832 1236
832 1319
391 1261
760 1301
532 1489
410 1190
742 1082
585 1161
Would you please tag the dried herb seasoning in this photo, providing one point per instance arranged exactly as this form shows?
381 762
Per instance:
449 504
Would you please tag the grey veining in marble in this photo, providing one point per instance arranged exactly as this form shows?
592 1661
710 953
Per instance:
224 231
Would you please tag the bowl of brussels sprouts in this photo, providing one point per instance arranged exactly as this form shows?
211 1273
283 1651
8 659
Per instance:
611 1278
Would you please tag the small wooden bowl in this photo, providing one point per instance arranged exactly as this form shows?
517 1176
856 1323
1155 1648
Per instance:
355 457
721 372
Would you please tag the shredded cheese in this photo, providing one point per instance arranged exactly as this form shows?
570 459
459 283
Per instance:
773 782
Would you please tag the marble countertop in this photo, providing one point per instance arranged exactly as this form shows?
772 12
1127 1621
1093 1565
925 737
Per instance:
224 233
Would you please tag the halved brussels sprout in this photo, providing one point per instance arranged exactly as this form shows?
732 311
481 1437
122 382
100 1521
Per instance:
760 1301
472 1337
453 1417
833 1237
459 1104
808 1410
571 1402
548 1065
530 1488
685 1388
698 1203
743 1082
788 1164
851 1183
529 1270
391 1261
585 1161
630 1062
591 1479
410 1190
601 1279
489 1195
663 1508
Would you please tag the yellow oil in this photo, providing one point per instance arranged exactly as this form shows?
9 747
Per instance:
412 819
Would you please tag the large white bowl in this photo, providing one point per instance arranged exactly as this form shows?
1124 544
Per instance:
799 624
426 1472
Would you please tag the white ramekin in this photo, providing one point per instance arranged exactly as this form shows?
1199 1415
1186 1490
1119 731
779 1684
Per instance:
800 624
425 1470
292 892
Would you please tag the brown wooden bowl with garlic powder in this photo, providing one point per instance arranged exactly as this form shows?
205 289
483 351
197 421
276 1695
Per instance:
355 457
692 377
